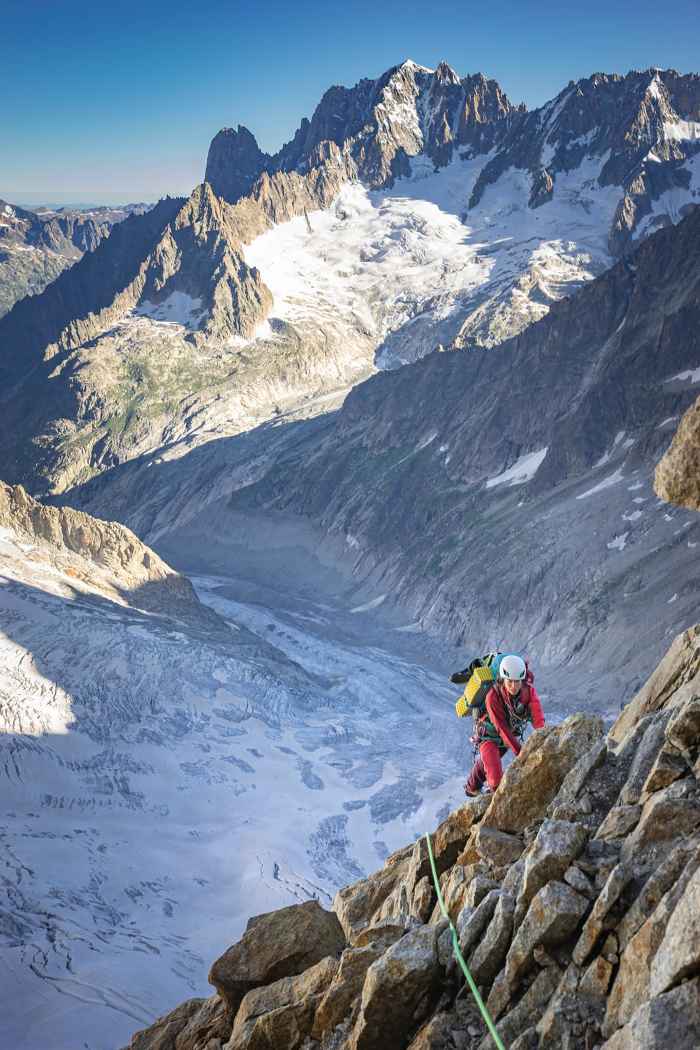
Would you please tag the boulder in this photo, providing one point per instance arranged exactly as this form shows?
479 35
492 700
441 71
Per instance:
553 915
679 953
356 904
619 822
558 842
281 1013
399 990
495 847
577 778
579 881
487 958
668 814
596 980
677 475
383 934
683 729
534 778
193 1025
470 925
669 1020
345 988
620 876
668 767
278 944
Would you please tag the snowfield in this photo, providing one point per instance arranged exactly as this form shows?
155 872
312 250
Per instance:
407 266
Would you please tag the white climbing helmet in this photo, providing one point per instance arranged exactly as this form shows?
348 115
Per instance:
512 667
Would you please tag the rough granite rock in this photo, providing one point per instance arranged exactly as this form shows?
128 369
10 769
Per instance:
553 915
678 956
496 847
277 944
545 759
345 988
672 1019
677 477
618 879
487 958
197 1024
558 843
281 1013
637 963
675 679
528 1010
399 990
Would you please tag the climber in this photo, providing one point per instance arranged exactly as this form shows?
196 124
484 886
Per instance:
510 703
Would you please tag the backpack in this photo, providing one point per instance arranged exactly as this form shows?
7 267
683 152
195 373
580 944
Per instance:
480 675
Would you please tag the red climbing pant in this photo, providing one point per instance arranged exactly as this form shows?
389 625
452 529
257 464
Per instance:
486 768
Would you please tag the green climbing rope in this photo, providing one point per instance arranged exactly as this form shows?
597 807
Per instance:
460 958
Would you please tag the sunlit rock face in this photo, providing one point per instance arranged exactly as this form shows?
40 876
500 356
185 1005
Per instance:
677 477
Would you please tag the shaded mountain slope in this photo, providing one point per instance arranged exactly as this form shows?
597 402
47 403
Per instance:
535 462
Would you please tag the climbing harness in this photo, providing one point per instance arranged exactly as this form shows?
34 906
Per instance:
458 954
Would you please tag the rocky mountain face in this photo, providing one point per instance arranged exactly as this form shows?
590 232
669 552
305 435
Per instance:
97 557
36 246
380 269
378 124
645 124
677 476
573 892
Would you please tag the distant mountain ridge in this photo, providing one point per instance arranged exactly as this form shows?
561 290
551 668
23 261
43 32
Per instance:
648 121
443 216
35 246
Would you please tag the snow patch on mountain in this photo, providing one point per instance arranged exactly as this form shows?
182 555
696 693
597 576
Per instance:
524 469
176 308
404 267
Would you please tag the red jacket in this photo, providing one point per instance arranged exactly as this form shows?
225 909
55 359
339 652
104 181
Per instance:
498 704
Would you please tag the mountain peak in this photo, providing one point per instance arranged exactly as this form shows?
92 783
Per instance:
234 162
445 74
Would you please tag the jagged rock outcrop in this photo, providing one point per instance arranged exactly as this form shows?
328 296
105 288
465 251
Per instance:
644 124
677 477
277 945
581 943
377 125
104 555
35 247
234 162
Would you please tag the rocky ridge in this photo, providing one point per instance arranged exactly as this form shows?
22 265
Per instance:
78 363
574 891
645 125
378 124
96 557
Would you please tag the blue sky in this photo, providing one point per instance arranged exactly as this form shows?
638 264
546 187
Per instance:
120 101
